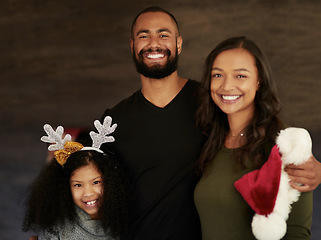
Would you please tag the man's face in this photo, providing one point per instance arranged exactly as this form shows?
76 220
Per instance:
155 45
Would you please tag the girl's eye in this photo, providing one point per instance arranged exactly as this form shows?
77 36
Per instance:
77 185
96 182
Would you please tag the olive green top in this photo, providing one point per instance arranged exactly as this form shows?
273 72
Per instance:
224 214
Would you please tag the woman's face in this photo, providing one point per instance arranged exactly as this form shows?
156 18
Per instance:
234 82
86 189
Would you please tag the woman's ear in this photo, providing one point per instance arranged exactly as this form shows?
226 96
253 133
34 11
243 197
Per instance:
258 85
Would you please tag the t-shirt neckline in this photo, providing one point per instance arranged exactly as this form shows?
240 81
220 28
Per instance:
175 99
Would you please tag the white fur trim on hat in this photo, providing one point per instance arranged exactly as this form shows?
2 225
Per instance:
295 147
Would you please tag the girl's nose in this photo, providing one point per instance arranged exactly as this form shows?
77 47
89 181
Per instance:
88 192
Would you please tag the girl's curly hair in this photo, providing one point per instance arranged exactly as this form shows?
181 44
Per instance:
213 122
50 202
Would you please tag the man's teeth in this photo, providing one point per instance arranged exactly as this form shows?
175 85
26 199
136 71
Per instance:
91 202
153 56
230 98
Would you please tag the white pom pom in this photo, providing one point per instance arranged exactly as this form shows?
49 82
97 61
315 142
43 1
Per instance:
272 227
295 145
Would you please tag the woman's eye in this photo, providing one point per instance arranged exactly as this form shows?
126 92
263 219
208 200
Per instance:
241 76
77 185
216 75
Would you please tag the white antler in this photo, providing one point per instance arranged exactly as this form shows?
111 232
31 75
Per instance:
55 137
103 130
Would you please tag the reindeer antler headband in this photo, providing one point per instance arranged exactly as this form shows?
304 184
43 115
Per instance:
63 147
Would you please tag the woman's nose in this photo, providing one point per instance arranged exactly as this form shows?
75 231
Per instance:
227 83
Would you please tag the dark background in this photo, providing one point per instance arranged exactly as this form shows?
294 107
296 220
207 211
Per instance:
64 62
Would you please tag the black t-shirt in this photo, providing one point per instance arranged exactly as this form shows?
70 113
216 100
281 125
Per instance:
158 148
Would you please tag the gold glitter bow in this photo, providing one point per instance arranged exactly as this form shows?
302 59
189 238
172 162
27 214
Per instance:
70 147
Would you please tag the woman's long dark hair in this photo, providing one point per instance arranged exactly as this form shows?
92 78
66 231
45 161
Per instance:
50 201
265 124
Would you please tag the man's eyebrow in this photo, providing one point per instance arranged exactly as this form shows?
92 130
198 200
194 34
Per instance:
164 30
158 31
142 31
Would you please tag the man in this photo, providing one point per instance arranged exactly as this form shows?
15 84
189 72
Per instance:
156 138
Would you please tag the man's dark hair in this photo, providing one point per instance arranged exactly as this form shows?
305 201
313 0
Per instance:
154 9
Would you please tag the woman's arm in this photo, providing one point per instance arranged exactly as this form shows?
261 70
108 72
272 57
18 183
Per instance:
300 218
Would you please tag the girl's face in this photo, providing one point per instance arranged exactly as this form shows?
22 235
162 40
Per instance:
86 189
234 82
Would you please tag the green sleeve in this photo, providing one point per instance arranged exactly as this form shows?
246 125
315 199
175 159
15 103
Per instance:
300 218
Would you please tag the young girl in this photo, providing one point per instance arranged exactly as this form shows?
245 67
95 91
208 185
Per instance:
81 194
238 111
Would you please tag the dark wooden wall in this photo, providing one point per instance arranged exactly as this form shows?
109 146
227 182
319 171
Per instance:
64 62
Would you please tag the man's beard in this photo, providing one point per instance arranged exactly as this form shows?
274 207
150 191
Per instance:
156 71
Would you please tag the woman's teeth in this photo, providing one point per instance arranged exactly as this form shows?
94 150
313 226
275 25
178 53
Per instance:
230 98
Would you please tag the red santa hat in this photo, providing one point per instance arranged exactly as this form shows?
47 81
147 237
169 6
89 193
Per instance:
267 190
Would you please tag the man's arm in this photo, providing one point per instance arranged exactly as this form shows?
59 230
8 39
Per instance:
305 177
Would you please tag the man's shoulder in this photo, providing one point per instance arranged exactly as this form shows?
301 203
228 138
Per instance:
123 106
193 84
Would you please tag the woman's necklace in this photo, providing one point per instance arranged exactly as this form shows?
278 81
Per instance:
234 141
241 134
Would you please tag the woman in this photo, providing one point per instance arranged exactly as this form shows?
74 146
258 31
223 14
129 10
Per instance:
238 111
